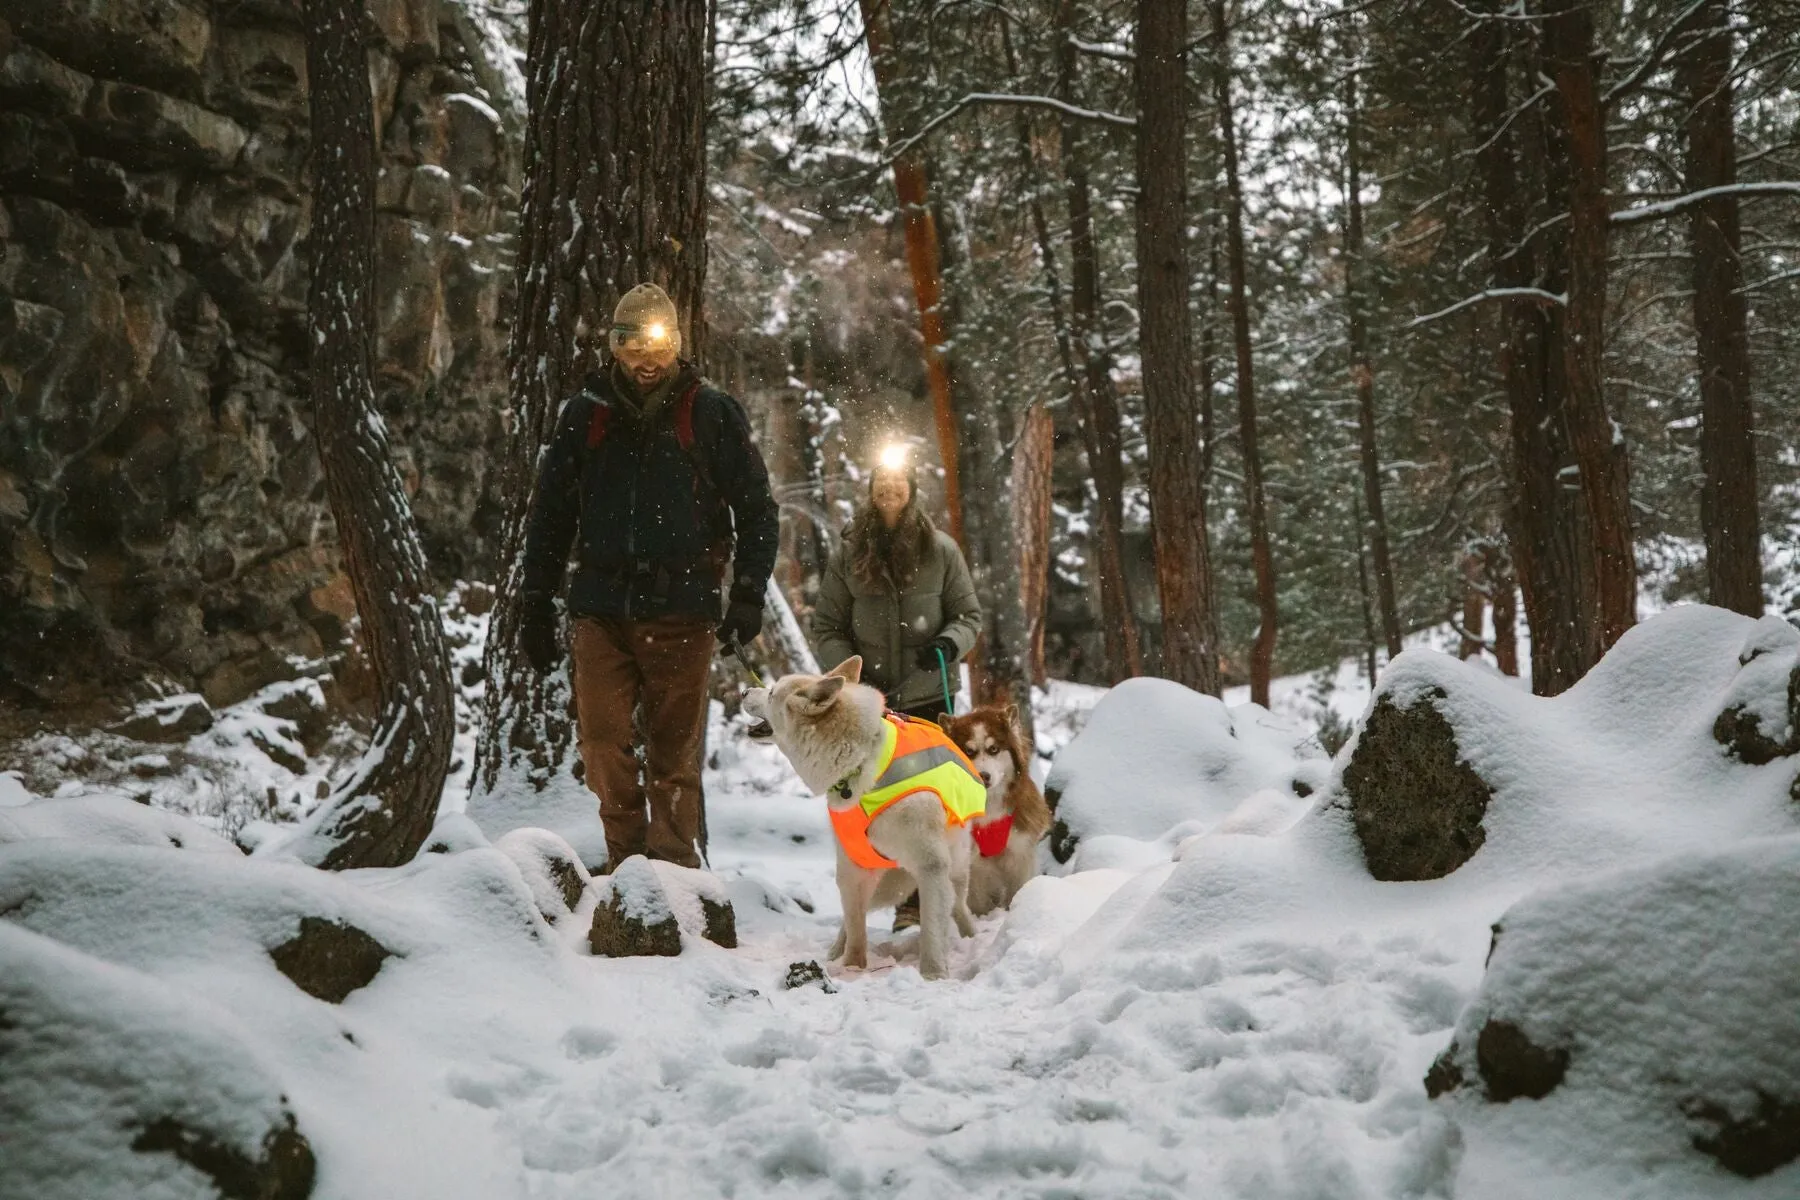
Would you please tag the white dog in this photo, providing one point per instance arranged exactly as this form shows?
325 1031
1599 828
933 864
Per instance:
834 731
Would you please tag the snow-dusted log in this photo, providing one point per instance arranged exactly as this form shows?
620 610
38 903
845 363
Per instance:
382 813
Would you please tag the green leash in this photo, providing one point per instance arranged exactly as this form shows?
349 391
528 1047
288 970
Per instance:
944 678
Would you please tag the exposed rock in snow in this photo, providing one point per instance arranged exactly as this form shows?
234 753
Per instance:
329 959
173 719
1651 1008
551 868
116 1085
1761 718
1417 804
647 907
1154 755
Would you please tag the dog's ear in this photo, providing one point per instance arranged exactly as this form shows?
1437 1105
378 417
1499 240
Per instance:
1011 713
817 697
943 721
850 670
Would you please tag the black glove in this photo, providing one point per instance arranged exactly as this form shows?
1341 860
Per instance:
928 653
743 620
537 635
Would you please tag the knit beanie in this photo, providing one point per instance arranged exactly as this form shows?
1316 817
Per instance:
646 313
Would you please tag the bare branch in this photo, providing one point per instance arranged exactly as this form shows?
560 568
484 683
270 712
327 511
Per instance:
1518 293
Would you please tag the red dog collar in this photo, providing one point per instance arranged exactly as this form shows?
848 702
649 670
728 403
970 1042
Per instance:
990 836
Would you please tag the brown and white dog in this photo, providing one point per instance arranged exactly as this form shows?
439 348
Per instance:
830 727
1007 836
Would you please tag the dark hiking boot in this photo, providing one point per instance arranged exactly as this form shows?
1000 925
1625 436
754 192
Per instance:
906 913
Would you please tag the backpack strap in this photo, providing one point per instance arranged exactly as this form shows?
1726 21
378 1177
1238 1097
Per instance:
684 424
598 423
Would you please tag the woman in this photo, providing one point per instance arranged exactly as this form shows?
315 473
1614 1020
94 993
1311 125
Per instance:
897 592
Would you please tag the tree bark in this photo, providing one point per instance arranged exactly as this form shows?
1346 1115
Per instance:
1095 402
1546 528
1580 125
1031 473
615 195
1728 493
1474 606
1362 370
1262 651
381 815
923 248
1501 594
1190 652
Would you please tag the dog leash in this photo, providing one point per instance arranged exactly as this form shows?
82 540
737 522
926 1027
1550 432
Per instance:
944 678
737 652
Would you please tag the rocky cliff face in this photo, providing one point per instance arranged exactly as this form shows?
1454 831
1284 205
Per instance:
161 504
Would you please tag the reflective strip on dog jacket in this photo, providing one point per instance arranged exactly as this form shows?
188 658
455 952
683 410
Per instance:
916 756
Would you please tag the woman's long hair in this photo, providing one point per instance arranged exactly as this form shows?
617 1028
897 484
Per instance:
880 556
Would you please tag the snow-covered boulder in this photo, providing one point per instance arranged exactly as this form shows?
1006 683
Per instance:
647 907
1760 721
1458 768
108 821
1416 803
116 1085
170 719
1649 1010
1155 755
551 869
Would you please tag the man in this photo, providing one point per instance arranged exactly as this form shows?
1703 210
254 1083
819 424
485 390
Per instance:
656 472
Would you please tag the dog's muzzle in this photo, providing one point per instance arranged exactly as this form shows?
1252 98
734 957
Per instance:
762 731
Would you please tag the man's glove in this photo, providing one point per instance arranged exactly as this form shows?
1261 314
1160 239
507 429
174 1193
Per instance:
743 619
928 653
537 635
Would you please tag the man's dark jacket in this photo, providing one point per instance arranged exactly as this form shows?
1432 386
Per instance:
656 520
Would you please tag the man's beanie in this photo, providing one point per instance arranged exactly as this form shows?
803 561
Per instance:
643 307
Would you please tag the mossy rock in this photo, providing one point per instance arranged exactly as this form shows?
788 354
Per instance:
1417 806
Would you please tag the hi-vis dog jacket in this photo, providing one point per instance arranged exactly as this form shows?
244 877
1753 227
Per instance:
916 756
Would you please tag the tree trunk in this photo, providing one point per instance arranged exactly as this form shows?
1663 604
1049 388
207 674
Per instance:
1580 125
1362 371
1501 594
1000 666
615 195
1728 495
1362 586
381 815
1545 526
1190 652
923 247
1031 472
1262 652
1474 606
1095 402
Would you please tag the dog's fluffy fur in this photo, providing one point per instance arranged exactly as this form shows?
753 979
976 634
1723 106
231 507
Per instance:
990 737
829 727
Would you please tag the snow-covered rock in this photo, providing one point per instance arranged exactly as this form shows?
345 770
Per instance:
1652 1013
1155 755
550 868
647 907
96 820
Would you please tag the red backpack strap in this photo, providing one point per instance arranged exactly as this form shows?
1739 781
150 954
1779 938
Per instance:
684 418
597 424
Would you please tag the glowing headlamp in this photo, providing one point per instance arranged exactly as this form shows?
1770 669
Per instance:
893 456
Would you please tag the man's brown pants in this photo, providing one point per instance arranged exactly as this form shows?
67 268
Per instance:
664 663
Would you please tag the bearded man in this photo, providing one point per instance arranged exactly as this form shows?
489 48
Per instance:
653 476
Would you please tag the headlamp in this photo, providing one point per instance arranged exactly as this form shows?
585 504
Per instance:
893 456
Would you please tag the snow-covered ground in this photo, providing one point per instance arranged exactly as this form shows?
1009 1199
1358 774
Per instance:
1193 1012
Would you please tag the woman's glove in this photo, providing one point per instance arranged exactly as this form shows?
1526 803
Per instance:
928 653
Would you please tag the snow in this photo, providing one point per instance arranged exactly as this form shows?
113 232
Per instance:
1213 999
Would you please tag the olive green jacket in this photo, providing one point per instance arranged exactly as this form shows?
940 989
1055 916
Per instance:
888 627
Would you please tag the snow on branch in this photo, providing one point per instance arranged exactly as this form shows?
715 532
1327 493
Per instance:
1100 50
1668 208
1519 293
975 99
